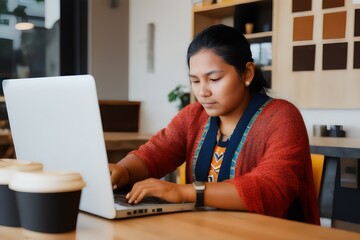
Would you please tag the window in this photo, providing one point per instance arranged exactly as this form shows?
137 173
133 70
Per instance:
55 42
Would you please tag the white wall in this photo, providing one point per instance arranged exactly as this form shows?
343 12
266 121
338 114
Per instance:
350 119
329 89
108 48
173 27
173 21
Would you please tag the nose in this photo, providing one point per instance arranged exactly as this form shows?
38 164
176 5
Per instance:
204 90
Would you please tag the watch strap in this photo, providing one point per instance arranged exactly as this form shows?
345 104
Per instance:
199 188
199 198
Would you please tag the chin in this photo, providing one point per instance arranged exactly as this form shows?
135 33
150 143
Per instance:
211 113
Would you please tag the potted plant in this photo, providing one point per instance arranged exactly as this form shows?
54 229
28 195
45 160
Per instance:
179 94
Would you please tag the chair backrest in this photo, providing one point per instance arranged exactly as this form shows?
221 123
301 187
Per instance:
317 167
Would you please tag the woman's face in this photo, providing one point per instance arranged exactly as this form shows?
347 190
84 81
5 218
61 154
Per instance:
217 85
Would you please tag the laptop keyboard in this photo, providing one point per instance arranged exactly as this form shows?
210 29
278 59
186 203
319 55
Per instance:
121 200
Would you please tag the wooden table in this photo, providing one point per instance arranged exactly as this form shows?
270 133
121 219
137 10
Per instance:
114 141
185 226
124 140
331 145
339 203
118 144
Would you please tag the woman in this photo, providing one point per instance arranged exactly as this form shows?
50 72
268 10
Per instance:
245 150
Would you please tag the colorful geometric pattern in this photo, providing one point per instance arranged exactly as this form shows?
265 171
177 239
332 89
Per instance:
216 161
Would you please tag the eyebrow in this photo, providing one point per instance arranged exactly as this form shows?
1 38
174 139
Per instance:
208 73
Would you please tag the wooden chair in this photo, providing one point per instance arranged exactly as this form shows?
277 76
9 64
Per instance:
6 144
317 161
182 173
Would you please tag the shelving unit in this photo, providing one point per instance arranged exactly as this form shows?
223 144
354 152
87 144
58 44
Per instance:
259 35
237 13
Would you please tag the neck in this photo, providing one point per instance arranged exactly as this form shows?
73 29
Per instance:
222 137
229 121
226 128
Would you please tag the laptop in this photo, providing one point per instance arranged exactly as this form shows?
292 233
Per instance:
56 121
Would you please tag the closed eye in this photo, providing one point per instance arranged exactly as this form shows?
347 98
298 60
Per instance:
195 81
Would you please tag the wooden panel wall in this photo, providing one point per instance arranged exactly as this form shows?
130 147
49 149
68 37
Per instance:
327 76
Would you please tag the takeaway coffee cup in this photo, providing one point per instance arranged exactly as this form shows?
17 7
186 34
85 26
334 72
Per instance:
8 209
48 201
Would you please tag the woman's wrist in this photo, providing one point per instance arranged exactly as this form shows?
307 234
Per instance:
124 175
135 167
187 192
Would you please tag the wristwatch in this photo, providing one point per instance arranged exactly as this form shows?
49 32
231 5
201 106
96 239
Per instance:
199 188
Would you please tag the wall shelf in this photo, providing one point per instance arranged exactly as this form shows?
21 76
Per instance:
237 13
259 35
222 9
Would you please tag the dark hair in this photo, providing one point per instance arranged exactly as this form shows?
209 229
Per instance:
232 46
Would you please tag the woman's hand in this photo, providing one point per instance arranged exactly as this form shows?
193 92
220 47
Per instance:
119 175
168 191
128 171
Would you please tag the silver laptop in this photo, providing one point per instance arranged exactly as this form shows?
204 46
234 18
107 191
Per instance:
56 121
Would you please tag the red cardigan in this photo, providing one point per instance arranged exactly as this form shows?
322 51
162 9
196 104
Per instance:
273 169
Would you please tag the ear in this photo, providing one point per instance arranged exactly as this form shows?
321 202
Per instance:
249 73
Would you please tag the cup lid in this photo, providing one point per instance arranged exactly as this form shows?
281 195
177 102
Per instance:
46 182
8 167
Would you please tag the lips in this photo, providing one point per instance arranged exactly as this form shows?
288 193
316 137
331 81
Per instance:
208 104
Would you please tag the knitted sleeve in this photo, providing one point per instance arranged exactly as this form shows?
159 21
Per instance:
274 166
171 146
